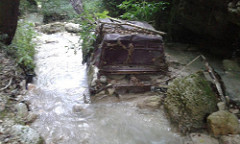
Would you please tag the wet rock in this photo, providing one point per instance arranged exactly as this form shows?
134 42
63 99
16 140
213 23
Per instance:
31 86
31 117
23 84
111 91
230 139
2 104
92 75
199 138
22 110
103 79
26 134
52 27
101 93
234 111
189 100
72 28
230 65
222 123
19 98
221 106
78 108
152 102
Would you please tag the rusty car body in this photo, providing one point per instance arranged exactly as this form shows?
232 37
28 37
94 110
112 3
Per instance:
133 54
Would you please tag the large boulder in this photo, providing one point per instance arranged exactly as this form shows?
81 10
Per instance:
223 123
189 101
72 28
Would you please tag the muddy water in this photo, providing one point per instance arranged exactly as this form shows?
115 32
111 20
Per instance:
61 83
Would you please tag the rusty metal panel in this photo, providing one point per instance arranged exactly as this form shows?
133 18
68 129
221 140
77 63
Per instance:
9 10
127 50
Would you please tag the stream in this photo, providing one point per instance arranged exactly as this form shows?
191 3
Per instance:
61 85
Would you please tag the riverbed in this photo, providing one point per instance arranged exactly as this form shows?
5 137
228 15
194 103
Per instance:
61 85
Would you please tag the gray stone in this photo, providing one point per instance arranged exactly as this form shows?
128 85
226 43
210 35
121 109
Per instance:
199 138
22 110
111 91
72 28
189 100
230 139
77 108
222 123
103 79
221 106
26 134
2 106
31 117
152 102
3 101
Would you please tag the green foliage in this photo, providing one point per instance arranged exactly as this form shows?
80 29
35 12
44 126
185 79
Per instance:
87 20
23 47
57 8
112 7
142 10
27 6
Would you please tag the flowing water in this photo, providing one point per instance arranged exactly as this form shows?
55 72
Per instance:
61 83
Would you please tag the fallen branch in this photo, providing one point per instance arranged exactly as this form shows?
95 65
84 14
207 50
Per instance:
216 81
9 83
133 25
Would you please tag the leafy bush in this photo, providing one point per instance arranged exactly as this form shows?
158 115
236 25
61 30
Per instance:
142 10
23 47
27 6
57 10
92 12
112 7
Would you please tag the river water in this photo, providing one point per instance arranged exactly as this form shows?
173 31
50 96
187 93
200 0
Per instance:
61 84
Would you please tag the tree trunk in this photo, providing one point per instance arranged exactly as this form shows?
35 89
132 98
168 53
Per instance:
77 5
9 10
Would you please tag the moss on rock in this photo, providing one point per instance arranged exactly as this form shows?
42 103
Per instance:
189 101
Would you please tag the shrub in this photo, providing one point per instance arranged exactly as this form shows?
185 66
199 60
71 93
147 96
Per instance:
27 6
23 47
143 10
112 7
56 10
93 9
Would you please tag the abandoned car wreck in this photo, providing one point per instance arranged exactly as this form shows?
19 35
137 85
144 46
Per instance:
128 56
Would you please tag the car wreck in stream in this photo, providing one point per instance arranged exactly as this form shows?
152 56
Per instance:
128 58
